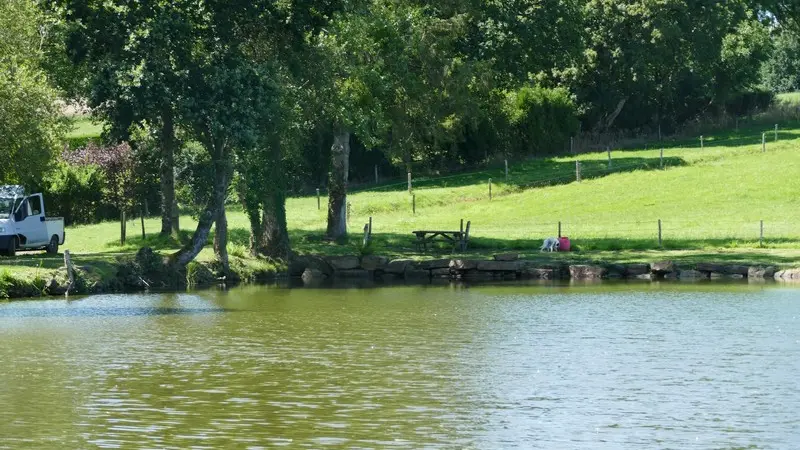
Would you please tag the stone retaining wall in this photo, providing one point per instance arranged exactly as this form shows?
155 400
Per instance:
315 269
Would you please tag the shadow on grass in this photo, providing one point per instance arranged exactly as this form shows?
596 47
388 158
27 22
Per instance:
403 245
537 172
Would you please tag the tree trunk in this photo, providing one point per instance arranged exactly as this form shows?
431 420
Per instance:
222 178
221 240
275 234
337 185
167 173
275 237
250 206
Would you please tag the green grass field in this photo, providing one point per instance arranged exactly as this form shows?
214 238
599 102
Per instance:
711 202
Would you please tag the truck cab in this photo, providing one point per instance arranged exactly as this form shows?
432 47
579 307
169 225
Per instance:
24 224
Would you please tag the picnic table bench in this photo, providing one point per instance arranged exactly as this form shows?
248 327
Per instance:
459 238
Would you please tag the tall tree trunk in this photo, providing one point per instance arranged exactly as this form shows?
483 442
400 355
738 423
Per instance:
337 185
275 234
168 144
275 238
221 240
222 178
250 206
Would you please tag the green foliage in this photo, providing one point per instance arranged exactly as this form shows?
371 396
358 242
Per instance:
31 125
748 102
540 120
76 193
781 73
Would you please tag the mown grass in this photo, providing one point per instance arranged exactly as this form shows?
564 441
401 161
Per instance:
83 129
789 98
710 201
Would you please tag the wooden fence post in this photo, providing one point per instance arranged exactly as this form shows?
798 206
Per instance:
702 143
578 171
144 235
559 229
660 242
318 203
763 142
776 132
761 235
409 182
70 272
370 226
122 229
506 161
413 203
608 149
490 188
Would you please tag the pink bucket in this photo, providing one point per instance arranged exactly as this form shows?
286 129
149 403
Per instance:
563 244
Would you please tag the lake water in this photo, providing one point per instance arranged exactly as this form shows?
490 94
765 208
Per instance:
597 366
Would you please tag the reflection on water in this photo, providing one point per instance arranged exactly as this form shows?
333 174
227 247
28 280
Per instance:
609 366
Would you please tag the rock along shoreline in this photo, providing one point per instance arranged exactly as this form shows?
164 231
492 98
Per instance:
508 267
316 270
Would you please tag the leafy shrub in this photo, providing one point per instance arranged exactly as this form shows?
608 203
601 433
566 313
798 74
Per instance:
76 193
539 120
745 103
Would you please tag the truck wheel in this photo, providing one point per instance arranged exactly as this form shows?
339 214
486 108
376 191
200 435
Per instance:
52 247
11 251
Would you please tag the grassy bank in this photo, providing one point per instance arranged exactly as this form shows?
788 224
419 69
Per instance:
710 199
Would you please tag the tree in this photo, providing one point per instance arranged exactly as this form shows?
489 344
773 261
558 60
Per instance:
181 61
131 54
31 125
395 76
118 166
781 73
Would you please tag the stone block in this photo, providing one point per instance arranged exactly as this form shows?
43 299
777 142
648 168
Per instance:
313 276
417 274
691 275
344 262
300 263
397 266
761 272
506 257
353 274
440 273
435 264
498 266
725 269
537 273
632 270
463 264
662 267
372 262
587 272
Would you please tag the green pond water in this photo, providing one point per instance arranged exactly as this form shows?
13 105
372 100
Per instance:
595 366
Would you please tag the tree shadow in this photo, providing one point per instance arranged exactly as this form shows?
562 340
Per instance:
537 172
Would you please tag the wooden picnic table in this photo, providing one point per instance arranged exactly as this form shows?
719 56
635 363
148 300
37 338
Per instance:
459 238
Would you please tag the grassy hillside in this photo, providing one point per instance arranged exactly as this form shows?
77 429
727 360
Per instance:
710 201
709 198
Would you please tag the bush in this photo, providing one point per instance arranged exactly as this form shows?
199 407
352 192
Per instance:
745 103
76 193
539 120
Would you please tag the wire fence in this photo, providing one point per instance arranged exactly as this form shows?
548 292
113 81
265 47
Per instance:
592 165
706 233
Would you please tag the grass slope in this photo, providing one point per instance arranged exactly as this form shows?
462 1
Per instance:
710 200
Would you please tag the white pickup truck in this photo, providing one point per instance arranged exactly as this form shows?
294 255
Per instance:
24 225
